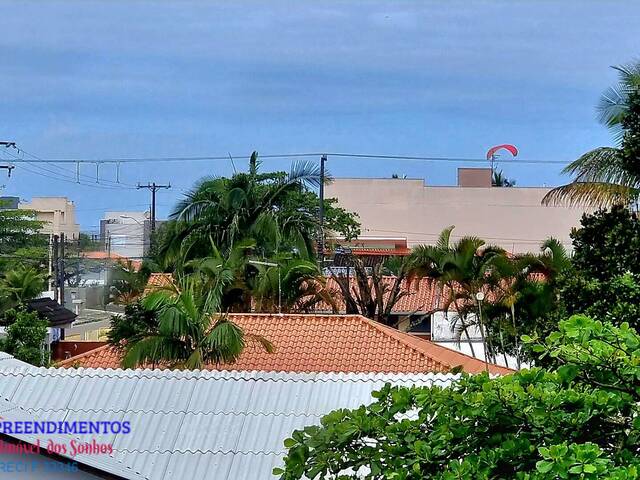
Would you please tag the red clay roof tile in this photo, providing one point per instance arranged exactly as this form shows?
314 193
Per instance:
324 343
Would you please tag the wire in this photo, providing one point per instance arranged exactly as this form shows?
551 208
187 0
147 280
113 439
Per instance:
285 155
66 179
75 176
517 240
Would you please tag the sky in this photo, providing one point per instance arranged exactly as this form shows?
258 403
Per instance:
104 79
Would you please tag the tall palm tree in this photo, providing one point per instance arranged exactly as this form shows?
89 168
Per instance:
520 283
247 205
601 176
191 330
463 269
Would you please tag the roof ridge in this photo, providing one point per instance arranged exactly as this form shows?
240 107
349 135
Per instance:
244 375
397 336
69 361
402 337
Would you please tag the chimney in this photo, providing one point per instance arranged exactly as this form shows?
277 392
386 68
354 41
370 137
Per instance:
474 177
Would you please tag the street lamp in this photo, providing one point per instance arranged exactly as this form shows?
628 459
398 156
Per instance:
131 218
480 298
271 264
144 239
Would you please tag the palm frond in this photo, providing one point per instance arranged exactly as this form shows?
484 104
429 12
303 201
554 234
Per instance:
613 103
223 343
306 172
444 239
602 164
594 194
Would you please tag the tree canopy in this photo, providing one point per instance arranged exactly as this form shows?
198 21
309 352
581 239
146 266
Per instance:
25 337
577 420
277 210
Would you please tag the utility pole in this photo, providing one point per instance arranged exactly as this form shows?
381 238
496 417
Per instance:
50 281
8 168
56 266
61 269
154 188
323 159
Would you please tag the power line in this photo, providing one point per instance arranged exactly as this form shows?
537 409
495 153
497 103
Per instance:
284 155
77 174
62 178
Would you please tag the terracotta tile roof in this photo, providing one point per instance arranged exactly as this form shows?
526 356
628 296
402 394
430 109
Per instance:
158 280
325 343
423 296
100 255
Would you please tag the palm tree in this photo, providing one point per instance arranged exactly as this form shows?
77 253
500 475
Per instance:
498 179
20 285
369 293
602 176
521 288
463 269
191 330
128 282
247 205
285 283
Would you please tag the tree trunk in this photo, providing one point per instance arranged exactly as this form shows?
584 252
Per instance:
515 332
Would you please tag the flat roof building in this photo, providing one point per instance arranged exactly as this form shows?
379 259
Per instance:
511 217
58 213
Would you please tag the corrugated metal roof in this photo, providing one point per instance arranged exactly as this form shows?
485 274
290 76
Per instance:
7 361
195 424
11 412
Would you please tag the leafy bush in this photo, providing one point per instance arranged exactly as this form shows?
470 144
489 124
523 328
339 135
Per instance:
616 300
577 422
25 337
607 244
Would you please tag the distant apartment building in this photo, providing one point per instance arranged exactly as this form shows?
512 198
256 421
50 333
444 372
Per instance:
58 213
126 234
511 217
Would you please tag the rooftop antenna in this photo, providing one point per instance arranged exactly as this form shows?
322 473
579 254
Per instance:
492 154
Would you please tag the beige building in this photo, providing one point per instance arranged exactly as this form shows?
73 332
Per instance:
512 218
59 213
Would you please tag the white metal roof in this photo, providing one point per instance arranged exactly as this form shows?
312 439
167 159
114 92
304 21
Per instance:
195 424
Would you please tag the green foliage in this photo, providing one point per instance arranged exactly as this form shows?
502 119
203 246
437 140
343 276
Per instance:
25 337
20 242
276 210
20 285
463 269
127 282
616 300
577 422
631 140
498 179
366 291
190 331
609 175
136 324
607 244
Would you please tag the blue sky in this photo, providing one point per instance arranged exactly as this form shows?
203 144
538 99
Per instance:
91 79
